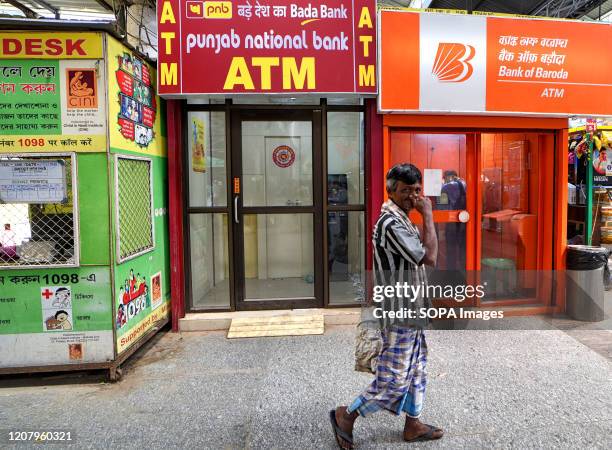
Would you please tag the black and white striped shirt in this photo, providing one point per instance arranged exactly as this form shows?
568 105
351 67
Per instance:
398 257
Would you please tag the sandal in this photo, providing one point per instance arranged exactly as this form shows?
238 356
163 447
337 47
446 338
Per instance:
427 436
339 433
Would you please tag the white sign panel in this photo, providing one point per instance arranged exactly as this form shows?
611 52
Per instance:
453 56
432 182
41 349
33 181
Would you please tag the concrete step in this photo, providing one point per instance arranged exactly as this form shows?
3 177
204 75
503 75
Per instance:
222 320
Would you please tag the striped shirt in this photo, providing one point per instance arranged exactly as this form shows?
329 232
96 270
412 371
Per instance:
398 258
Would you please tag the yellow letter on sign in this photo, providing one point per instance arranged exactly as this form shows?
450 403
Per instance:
169 74
167 36
238 73
167 14
366 40
265 64
364 18
306 72
366 75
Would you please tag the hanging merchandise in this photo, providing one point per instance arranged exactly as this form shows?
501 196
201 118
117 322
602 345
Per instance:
602 161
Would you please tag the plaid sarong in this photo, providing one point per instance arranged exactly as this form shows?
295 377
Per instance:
400 375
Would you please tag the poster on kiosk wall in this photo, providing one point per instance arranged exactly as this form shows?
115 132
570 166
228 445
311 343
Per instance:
52 92
277 46
137 135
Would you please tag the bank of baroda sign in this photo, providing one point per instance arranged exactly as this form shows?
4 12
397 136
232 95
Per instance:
266 46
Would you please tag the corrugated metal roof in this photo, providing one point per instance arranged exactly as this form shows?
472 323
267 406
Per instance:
505 6
529 7
66 9
606 9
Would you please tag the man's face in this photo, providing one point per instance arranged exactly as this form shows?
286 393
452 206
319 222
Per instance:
405 195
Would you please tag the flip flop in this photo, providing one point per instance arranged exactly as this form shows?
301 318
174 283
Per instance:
427 436
338 432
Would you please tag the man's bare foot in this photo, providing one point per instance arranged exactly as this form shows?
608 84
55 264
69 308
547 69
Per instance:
415 430
345 422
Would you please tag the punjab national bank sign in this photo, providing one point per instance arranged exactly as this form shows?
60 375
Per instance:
266 46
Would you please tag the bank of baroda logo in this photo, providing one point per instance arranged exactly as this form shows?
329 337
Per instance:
452 63
82 88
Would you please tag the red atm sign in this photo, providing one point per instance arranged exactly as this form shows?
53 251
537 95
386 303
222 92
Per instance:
223 47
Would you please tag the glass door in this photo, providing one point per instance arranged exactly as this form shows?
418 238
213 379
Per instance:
276 206
514 191
445 162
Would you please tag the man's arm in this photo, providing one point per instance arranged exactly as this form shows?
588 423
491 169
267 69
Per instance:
430 240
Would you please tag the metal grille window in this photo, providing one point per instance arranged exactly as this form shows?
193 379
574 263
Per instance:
38 218
134 206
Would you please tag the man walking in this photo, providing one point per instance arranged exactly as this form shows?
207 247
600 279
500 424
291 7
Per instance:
399 254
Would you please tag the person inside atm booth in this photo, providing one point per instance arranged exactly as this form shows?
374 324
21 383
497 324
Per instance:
454 188
454 232
8 243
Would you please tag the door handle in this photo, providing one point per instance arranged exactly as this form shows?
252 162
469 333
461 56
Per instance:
464 216
236 209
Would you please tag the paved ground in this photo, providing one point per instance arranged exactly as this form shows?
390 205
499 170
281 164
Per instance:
488 389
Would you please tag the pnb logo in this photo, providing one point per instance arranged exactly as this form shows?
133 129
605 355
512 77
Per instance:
218 10
452 63
209 10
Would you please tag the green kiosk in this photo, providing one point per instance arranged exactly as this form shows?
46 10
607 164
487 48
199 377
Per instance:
84 262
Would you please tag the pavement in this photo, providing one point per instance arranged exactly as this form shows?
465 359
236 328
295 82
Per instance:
488 389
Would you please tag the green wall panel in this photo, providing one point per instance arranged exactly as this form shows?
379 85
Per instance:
94 209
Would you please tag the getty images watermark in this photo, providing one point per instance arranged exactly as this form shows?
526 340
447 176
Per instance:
391 299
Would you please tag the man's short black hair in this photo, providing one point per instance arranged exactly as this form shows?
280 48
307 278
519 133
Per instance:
408 173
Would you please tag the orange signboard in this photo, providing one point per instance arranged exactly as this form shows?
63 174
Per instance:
548 66
400 54
482 64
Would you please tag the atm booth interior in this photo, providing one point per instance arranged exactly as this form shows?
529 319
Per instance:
273 200
503 225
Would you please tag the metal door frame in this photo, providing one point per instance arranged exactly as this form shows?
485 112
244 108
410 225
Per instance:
238 210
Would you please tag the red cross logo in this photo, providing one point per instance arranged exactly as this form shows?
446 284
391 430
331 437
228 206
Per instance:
47 293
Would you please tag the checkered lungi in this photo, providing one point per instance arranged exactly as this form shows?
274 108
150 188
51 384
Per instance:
400 375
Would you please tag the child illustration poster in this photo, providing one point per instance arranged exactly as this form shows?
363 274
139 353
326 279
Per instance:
56 303
134 298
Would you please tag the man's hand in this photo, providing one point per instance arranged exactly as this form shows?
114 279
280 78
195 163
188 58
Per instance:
423 206
430 241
